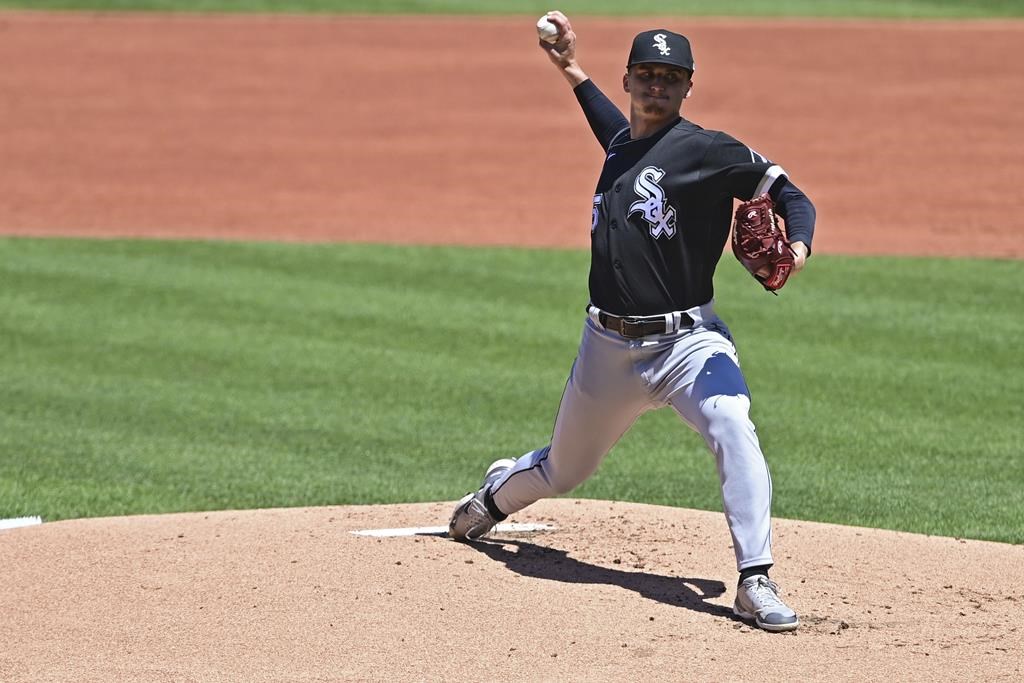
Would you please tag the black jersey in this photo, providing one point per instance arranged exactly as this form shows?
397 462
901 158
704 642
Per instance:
663 210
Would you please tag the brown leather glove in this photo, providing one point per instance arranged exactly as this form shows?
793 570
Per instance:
760 244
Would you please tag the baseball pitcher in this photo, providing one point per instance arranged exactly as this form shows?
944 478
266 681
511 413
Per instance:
662 213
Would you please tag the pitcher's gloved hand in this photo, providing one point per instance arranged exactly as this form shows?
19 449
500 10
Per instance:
760 244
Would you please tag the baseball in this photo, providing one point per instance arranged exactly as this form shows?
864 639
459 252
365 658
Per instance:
547 31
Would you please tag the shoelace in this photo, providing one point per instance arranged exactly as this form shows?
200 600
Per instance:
768 592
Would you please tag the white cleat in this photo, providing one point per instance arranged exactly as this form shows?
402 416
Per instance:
758 598
471 521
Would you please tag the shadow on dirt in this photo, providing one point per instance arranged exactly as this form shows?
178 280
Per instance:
530 559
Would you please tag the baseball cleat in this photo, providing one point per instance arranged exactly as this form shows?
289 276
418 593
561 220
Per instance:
471 520
758 598
497 469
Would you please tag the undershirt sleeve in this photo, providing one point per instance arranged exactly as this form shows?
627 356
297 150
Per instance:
604 118
796 209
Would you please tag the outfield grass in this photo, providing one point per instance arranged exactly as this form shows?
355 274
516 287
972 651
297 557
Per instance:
811 8
148 376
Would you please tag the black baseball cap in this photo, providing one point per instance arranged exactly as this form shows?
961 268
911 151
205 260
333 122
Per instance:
660 46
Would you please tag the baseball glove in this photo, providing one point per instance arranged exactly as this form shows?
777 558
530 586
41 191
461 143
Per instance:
760 244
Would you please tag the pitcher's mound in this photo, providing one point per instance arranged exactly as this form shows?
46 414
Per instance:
614 591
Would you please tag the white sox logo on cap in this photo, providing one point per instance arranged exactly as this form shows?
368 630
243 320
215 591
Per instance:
661 46
661 43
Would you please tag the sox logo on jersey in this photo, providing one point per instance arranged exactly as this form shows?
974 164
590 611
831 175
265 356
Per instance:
653 208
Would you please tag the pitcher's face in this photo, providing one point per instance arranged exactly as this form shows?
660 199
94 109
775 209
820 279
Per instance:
656 91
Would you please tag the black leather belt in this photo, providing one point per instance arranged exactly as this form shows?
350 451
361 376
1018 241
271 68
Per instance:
636 327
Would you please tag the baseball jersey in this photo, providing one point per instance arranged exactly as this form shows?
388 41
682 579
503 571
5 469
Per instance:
663 208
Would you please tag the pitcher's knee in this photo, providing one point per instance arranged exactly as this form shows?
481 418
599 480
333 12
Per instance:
726 415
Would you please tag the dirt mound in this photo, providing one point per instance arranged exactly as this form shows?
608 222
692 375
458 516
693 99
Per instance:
616 591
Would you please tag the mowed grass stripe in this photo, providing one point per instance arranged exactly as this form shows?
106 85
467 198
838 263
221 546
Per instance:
150 376
768 8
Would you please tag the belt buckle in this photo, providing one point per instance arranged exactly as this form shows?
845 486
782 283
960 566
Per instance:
624 322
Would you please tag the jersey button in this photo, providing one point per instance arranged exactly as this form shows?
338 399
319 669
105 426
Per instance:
614 224
618 187
618 264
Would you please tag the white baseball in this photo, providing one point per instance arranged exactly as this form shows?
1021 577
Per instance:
547 31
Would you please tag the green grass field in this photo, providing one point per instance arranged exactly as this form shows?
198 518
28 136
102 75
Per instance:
821 8
150 376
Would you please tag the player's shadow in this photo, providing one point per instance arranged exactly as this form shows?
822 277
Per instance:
530 559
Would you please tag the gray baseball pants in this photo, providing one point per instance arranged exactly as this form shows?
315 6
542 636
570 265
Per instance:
614 380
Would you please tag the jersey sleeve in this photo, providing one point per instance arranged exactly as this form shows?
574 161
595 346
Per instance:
735 170
604 118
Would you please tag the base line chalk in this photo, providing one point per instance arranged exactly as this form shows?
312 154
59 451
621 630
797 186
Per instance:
16 522
443 530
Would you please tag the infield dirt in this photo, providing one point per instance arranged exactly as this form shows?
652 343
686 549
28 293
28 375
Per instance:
908 136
